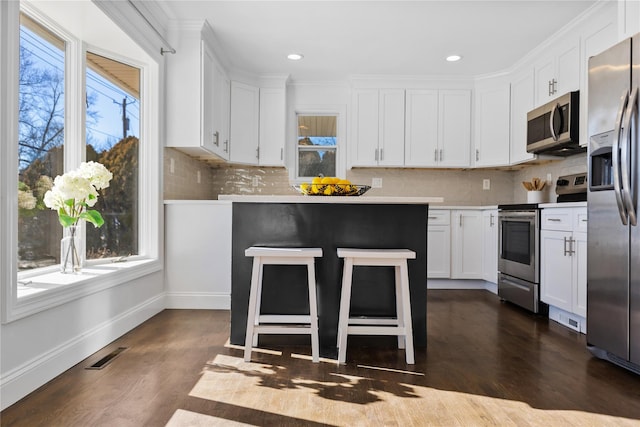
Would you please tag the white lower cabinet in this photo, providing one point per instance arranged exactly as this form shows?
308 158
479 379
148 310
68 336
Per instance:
438 245
563 264
490 245
466 238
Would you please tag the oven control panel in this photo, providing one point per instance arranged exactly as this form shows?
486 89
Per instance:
572 184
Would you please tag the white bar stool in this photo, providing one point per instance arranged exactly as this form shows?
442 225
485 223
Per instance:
280 323
401 325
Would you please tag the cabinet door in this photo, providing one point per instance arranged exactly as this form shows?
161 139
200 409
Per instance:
544 78
490 246
492 126
391 128
556 269
438 252
244 123
272 126
580 273
454 128
421 128
365 127
208 137
466 238
521 103
568 69
220 97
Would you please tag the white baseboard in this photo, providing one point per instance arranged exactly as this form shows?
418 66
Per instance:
198 300
17 383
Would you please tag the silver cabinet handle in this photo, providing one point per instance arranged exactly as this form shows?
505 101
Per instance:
433 217
554 86
441 154
382 154
216 138
282 154
460 220
226 145
477 155
257 152
571 250
584 220
376 155
554 219
491 223
435 155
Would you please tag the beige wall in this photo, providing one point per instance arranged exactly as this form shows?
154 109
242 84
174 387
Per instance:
458 187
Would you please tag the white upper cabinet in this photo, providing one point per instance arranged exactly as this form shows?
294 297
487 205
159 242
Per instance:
522 87
273 110
197 103
378 127
391 130
421 134
454 131
492 124
628 18
559 72
244 134
438 128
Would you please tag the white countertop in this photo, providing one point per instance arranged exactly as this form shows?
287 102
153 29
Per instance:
381 200
563 205
197 202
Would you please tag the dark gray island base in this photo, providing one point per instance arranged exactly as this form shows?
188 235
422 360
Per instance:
329 226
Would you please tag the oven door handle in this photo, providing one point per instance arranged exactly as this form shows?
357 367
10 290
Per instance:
514 284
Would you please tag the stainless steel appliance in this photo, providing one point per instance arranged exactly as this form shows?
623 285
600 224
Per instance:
553 128
518 255
572 188
613 271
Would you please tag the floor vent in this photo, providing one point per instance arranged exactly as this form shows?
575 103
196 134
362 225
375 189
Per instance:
107 359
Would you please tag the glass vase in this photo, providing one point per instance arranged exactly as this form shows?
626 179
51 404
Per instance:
70 261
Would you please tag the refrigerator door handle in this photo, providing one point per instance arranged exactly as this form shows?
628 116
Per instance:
626 161
615 153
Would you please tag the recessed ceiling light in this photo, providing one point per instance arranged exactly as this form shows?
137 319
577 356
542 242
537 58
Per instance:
454 58
295 56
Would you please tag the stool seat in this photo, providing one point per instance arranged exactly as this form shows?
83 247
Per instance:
281 323
401 324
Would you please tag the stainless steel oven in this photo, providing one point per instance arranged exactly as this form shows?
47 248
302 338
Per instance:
518 255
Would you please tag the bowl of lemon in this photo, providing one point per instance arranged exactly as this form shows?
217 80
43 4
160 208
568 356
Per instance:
331 186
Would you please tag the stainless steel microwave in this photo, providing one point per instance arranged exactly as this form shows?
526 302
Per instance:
553 127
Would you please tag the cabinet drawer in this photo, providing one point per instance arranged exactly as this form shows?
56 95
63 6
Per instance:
580 219
557 219
438 217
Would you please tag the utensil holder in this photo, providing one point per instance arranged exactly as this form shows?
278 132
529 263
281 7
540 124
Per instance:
535 197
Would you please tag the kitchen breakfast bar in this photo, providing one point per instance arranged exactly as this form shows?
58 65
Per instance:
328 222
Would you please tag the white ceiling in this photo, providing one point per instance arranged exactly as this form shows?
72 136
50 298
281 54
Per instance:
408 38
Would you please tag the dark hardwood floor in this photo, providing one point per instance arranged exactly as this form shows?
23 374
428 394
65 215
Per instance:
486 363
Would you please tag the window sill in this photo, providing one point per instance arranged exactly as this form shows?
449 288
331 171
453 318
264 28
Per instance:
51 288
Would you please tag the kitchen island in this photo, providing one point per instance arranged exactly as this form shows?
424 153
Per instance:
328 222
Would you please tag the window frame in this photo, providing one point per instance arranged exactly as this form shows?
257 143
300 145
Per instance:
56 288
318 110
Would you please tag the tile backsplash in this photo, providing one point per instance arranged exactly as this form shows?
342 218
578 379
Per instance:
458 187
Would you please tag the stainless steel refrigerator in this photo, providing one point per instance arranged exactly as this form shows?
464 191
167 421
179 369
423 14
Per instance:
613 271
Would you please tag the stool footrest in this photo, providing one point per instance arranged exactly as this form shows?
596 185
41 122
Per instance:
373 321
280 329
284 318
376 330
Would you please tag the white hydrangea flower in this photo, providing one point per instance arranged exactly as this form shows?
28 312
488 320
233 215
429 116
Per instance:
96 173
53 199
72 185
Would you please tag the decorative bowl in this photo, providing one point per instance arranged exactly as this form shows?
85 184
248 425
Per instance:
332 189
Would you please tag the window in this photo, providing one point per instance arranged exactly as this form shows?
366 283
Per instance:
112 117
41 118
317 144
73 95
